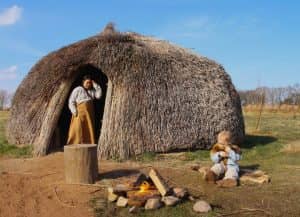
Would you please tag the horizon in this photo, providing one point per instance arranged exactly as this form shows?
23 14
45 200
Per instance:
256 42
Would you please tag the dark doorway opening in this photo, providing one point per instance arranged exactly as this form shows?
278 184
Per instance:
60 135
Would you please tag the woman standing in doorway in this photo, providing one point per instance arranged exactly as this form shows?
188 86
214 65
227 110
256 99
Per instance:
81 105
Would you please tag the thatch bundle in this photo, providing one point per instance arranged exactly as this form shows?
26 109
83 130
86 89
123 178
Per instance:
159 97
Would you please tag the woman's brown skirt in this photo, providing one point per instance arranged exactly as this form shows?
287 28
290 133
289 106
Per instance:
82 126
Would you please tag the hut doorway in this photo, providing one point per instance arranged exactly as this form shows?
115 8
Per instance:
60 135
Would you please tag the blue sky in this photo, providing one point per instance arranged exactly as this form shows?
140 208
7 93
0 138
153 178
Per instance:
257 41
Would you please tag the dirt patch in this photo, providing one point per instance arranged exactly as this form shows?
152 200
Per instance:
35 187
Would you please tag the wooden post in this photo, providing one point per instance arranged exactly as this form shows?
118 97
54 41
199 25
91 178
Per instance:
262 103
81 165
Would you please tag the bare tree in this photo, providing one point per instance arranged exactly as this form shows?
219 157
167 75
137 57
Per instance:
5 99
272 96
2 98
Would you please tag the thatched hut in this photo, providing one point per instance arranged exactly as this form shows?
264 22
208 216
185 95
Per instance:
158 97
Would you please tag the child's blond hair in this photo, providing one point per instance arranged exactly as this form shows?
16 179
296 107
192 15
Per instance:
224 137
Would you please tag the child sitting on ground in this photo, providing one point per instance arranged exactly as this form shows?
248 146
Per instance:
225 157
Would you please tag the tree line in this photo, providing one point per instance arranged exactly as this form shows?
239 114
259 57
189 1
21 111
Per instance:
5 99
289 95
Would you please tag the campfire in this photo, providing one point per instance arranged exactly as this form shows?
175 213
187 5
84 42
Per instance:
150 192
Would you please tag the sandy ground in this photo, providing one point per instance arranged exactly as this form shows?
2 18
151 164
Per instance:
35 187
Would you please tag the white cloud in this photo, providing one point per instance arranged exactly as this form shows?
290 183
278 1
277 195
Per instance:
9 73
10 15
196 22
206 27
192 28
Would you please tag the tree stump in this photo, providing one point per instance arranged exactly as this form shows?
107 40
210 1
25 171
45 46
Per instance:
81 165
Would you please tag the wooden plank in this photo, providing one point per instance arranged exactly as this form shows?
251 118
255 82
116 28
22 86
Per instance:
159 182
255 179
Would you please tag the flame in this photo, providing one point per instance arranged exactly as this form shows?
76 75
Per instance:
144 186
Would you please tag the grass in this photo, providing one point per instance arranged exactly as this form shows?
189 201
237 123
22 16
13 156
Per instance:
265 144
146 157
7 149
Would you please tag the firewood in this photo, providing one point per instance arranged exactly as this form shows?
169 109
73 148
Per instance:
138 198
254 176
136 202
159 182
121 189
255 179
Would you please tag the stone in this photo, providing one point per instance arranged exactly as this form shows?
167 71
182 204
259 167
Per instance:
153 203
111 197
202 206
170 200
181 193
122 202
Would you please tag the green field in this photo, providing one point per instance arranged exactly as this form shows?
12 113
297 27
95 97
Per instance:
262 149
6 149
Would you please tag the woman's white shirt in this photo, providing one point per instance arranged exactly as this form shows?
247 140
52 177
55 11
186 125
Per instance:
80 95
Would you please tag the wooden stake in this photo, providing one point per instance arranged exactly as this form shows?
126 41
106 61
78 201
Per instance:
262 103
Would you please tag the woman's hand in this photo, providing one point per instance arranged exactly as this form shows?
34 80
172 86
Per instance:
94 83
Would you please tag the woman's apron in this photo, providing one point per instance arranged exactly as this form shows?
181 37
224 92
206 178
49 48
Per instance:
82 126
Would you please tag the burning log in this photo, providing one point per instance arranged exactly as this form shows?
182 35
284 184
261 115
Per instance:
143 194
